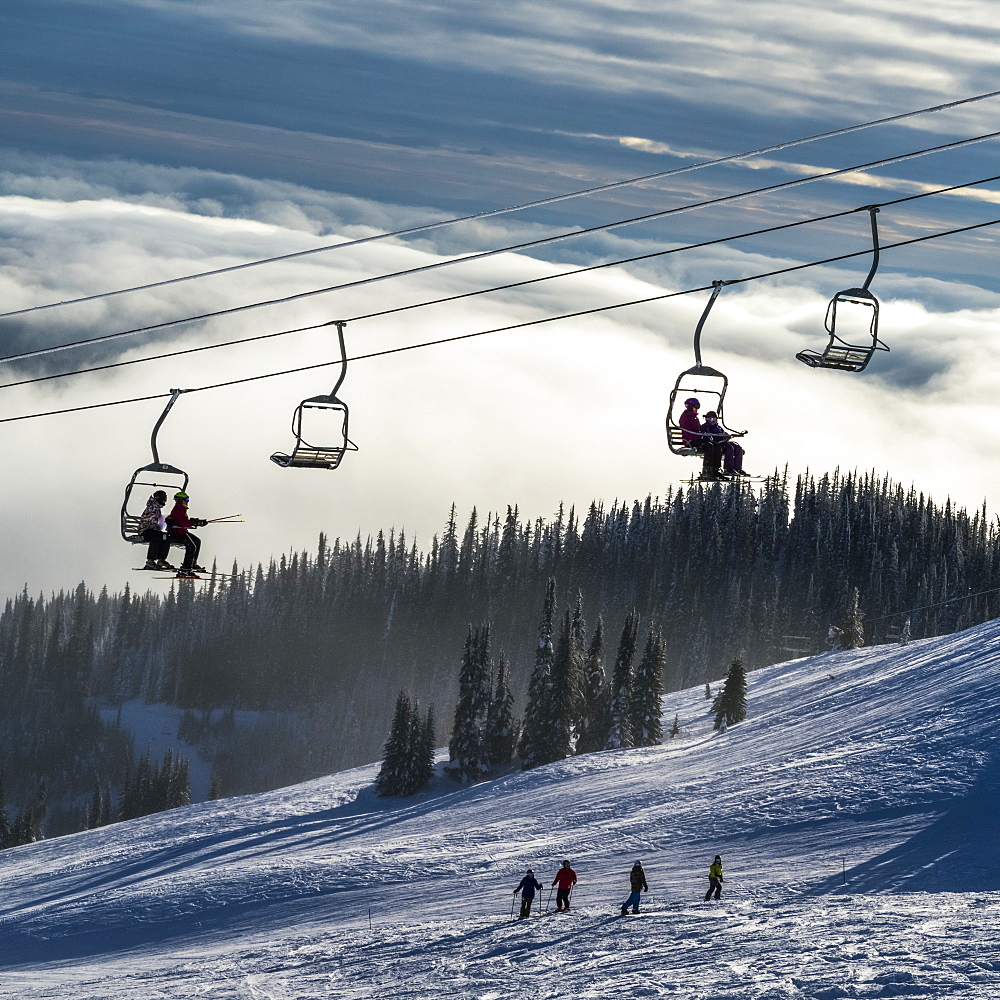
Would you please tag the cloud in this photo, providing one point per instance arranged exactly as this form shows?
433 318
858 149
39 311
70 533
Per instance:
507 418
796 59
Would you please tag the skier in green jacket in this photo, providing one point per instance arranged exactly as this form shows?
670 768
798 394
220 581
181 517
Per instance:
715 879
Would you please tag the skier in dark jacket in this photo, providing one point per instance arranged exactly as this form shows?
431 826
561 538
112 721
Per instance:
715 879
732 453
527 887
151 530
565 879
178 524
637 879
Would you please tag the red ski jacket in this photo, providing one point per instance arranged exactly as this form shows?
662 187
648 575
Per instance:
565 878
179 521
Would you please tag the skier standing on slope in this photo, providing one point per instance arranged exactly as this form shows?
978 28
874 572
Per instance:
637 879
565 879
527 887
715 879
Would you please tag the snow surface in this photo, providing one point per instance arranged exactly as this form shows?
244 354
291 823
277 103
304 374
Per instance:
856 810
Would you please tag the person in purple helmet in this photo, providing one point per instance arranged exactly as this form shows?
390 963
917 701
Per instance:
693 435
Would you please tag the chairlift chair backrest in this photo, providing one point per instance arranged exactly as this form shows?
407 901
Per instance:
324 447
706 384
840 352
156 476
709 386
310 454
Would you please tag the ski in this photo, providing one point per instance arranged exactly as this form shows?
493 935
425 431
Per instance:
196 578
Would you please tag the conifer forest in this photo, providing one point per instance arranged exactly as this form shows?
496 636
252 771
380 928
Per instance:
320 644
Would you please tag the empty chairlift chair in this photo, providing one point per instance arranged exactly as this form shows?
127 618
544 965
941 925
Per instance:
320 425
851 352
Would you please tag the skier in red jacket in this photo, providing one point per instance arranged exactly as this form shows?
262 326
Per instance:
565 879
178 524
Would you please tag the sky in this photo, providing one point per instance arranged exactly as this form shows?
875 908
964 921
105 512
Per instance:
849 810
143 140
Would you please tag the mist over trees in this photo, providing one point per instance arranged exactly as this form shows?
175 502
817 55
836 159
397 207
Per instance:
325 641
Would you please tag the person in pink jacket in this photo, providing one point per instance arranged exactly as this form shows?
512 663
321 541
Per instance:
694 436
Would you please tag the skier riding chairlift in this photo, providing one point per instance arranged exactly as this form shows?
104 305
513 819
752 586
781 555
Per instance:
699 381
159 475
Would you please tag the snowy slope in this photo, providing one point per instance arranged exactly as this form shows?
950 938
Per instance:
878 767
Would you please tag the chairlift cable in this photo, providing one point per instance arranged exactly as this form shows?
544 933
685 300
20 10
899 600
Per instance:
498 288
483 254
513 326
426 227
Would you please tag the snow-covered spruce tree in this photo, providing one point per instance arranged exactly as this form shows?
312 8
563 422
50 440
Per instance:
731 703
647 692
501 726
596 715
620 730
905 636
675 728
567 671
392 775
467 760
854 628
538 711
708 691
419 764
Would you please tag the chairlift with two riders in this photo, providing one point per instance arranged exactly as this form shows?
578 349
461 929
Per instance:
158 475
701 381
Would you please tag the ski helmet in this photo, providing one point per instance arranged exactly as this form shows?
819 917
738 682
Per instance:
181 495
566 863
160 495
718 857
692 402
530 871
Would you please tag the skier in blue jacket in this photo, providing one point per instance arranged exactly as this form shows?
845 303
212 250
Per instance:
527 887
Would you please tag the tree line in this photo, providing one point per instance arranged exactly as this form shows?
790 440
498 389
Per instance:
327 639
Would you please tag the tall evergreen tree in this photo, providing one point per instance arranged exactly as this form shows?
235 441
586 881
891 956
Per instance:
647 692
905 634
731 703
567 671
501 726
854 629
620 732
392 775
596 716
538 713
466 750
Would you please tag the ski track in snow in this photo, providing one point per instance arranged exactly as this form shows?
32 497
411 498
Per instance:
856 809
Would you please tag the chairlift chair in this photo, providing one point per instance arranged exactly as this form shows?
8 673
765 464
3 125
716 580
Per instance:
840 353
157 475
332 414
701 381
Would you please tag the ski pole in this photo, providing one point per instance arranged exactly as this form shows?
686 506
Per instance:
513 903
